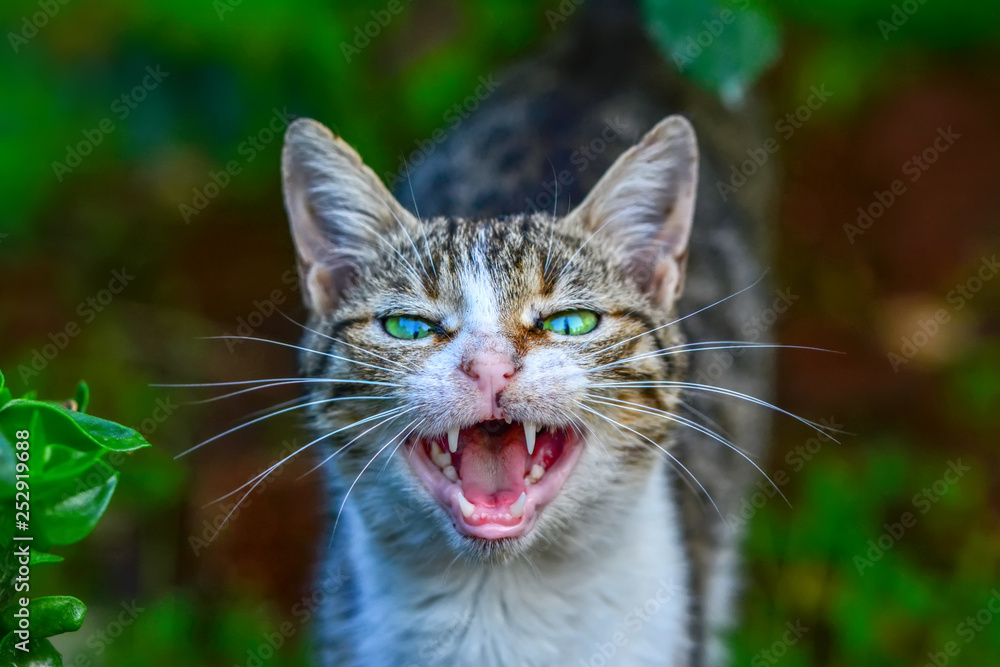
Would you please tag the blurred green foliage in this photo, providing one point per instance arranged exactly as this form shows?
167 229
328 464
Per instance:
229 65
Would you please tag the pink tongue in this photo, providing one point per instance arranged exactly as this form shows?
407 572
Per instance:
492 467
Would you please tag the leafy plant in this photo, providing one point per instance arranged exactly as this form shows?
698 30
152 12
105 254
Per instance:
54 486
724 45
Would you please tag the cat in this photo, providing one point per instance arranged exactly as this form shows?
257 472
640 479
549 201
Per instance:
517 472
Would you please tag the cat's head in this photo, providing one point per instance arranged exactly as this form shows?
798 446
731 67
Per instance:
471 371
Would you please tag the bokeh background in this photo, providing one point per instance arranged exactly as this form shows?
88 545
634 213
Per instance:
93 183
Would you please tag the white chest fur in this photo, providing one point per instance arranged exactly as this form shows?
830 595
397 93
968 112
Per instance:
624 606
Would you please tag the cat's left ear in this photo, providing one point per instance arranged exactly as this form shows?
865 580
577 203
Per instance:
644 205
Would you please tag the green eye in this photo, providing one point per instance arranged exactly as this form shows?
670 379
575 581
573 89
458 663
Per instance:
407 328
571 322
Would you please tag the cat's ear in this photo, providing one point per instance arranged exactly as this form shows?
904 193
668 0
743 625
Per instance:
338 209
644 205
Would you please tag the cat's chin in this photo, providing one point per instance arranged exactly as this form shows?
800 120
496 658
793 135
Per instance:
487 481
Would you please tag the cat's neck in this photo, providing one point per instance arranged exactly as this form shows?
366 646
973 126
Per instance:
628 597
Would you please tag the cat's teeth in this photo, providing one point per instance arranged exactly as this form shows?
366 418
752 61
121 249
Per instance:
440 457
536 473
529 437
451 473
453 440
517 509
466 507
508 420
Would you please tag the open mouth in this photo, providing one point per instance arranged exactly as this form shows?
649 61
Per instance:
493 477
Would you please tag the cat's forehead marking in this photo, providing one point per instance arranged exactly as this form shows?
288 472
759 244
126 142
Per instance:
479 292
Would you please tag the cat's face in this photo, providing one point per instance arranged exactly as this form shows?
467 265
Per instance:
473 366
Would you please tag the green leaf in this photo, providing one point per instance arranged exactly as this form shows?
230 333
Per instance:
59 463
5 396
39 558
82 397
77 507
74 429
7 463
48 616
722 45
40 653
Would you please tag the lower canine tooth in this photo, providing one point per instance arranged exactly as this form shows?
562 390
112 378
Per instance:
453 440
466 507
451 473
517 509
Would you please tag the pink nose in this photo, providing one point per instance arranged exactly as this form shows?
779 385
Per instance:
491 373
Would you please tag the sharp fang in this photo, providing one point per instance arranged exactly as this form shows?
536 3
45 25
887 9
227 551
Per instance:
508 419
467 507
517 509
529 437
451 473
453 440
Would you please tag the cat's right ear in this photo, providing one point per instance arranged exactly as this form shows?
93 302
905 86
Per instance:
338 209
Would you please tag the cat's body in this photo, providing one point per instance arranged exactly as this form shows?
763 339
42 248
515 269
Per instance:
629 564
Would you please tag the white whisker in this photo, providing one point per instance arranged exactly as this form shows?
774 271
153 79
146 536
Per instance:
259 476
701 429
305 349
266 386
681 319
707 347
355 439
648 384
351 487
410 239
662 449
569 262
258 419
344 342
261 380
